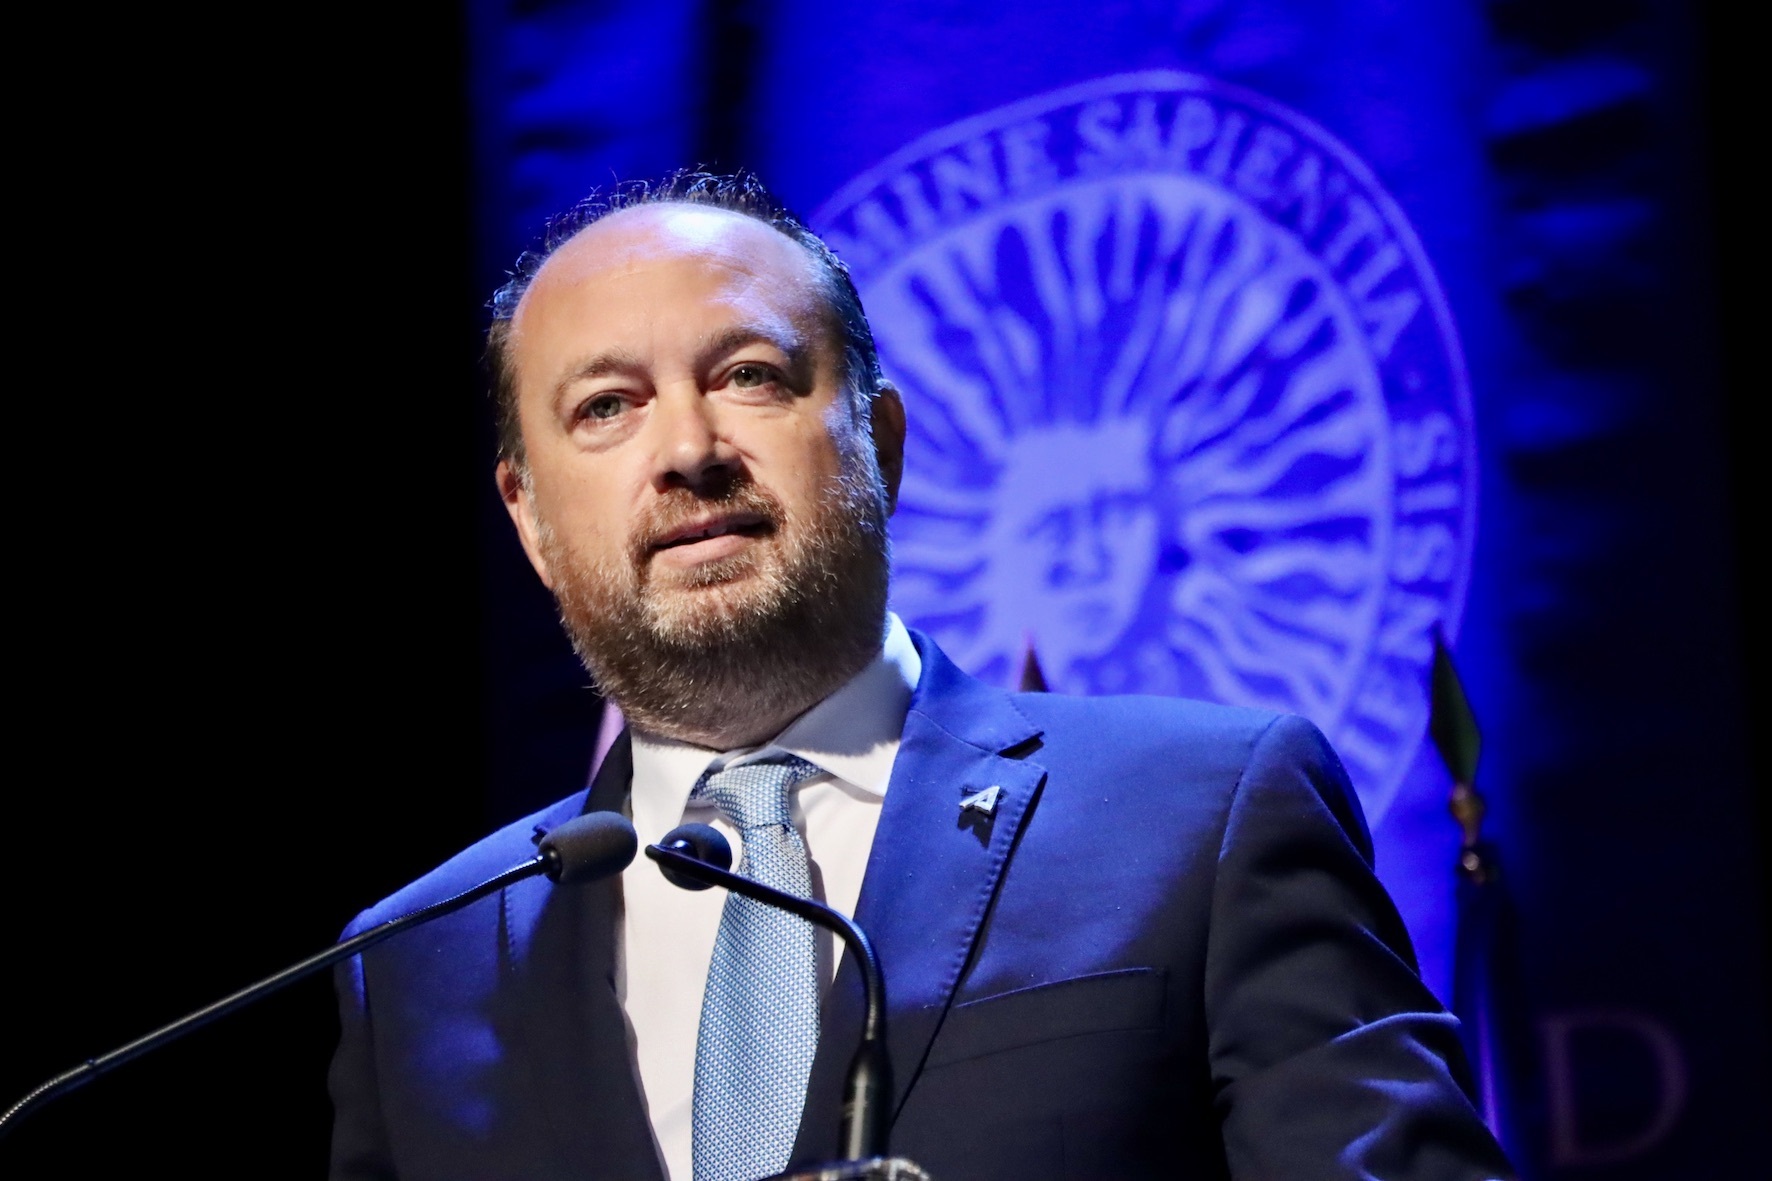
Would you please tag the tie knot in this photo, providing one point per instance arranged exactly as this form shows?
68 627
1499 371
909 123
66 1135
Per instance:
756 794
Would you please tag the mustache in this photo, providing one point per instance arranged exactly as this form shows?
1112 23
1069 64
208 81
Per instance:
680 507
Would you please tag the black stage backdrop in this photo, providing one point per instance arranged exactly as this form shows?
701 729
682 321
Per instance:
246 700
270 633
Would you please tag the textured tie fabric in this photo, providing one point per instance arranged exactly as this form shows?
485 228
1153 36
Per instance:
759 1017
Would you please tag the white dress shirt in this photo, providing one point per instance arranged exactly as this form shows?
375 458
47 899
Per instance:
666 937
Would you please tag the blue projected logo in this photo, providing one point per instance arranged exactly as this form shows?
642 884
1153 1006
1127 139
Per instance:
1187 407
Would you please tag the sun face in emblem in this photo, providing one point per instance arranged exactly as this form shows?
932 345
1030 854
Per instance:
1171 421
1075 527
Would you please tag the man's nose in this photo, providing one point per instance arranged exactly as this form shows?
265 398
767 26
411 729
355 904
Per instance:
689 449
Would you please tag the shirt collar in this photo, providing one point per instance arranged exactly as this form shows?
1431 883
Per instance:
852 735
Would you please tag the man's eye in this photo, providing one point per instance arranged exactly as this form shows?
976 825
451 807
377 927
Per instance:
605 406
749 377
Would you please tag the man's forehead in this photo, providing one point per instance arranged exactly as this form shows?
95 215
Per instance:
642 236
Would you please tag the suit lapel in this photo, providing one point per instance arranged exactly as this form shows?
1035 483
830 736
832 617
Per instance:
931 876
561 946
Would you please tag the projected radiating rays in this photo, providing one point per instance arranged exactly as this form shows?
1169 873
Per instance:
1147 433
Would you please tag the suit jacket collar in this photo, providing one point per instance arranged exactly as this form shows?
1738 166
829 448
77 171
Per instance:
931 877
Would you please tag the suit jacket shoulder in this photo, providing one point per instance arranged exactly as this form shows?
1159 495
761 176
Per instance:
485 858
1215 747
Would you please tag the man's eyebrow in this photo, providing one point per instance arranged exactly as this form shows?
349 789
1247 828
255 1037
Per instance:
601 365
788 341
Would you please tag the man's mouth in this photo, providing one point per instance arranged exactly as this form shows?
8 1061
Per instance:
708 529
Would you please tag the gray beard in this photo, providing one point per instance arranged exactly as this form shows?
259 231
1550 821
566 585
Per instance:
726 655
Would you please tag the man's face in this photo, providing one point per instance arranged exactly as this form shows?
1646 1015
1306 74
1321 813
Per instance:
695 469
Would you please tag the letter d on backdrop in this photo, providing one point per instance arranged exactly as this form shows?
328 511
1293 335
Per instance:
1567 1145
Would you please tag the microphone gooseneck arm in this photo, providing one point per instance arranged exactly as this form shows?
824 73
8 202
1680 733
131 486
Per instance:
867 1094
92 1068
582 849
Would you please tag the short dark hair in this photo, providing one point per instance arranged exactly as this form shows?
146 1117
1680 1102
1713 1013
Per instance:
739 192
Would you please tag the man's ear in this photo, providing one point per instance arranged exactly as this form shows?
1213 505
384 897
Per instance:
887 412
521 506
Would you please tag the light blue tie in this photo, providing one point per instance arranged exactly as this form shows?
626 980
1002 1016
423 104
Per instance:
759 1017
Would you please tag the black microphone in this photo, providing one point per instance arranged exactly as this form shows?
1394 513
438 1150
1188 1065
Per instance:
584 849
695 856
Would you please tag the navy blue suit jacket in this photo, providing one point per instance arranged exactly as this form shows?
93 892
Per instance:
1165 955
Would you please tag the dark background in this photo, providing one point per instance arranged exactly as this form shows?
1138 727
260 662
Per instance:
267 614
247 592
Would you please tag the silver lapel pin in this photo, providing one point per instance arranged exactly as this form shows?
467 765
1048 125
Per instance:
983 802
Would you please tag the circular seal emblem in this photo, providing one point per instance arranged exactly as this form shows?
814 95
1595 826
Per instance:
1187 409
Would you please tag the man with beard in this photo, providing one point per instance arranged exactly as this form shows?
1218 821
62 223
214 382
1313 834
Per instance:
1122 937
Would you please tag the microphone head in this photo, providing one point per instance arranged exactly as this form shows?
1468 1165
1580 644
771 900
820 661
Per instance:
700 842
589 848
